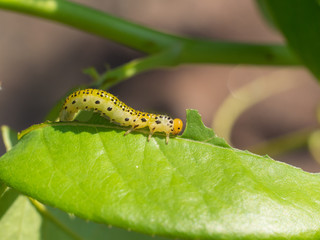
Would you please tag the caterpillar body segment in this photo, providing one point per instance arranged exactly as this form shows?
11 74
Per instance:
117 111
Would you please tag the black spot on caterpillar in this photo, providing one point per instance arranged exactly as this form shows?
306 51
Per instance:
117 111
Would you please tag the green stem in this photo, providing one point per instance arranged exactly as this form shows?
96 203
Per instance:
202 51
151 41
46 214
283 144
119 74
93 21
247 96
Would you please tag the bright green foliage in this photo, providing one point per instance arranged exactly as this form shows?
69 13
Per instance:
299 21
196 130
19 219
186 189
197 186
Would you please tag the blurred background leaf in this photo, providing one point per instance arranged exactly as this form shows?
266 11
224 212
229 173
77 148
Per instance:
299 21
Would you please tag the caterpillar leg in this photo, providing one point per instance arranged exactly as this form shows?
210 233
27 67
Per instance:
150 135
129 131
167 138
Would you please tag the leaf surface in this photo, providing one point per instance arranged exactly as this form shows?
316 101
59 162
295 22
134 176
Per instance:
186 189
21 218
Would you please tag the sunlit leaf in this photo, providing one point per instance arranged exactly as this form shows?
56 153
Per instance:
185 189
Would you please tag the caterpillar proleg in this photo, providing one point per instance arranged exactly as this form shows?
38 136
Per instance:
117 111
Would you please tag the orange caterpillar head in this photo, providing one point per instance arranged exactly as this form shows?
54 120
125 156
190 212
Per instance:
177 126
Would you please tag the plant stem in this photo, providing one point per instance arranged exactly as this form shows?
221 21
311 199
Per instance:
285 143
150 41
202 51
119 74
93 21
243 98
47 215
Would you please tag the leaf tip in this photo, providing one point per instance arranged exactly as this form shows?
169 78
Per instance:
196 130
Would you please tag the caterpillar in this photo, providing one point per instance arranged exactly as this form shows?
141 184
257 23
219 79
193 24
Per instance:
117 111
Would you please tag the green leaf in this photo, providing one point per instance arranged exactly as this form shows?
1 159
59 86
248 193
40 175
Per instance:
92 72
19 219
299 21
185 189
9 137
89 230
197 131
261 4
7 197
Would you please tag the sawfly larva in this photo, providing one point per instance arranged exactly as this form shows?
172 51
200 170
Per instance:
117 111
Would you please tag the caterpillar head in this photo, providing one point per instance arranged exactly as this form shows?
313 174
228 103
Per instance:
177 126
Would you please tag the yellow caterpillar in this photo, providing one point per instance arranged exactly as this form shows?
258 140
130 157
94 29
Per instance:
117 111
